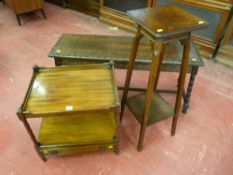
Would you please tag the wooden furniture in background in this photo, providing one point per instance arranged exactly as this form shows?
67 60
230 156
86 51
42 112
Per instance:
73 49
20 7
160 25
77 107
90 7
214 11
113 12
225 54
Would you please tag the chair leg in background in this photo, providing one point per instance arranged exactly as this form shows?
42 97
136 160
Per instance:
43 13
18 19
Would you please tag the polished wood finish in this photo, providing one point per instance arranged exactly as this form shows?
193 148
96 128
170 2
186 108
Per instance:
73 49
159 21
161 24
25 6
181 81
157 53
52 130
78 106
30 132
66 84
119 19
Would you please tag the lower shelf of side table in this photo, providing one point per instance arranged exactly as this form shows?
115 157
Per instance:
78 133
159 108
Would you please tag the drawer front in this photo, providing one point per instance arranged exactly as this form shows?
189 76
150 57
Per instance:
70 150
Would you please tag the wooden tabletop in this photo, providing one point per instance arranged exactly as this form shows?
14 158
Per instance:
164 21
76 88
116 48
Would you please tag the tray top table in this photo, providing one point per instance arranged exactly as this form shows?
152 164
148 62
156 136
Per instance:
66 89
77 105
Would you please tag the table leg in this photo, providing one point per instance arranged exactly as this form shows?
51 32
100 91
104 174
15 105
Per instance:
43 13
183 71
153 78
194 71
18 19
57 61
116 139
161 55
132 58
29 130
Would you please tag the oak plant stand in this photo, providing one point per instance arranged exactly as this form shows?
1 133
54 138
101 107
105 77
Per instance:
77 107
72 49
160 25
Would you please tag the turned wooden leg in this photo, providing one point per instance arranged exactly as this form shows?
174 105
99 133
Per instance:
183 71
43 13
194 72
18 19
153 78
132 58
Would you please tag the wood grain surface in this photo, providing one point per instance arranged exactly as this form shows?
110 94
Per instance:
77 88
164 21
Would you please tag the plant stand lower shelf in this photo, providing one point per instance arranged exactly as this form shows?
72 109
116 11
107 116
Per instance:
159 109
77 134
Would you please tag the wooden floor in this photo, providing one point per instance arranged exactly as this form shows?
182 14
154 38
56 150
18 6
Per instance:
203 144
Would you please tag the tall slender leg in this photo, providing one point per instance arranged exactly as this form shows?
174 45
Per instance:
181 82
153 77
161 55
18 19
132 58
194 72
29 130
43 13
